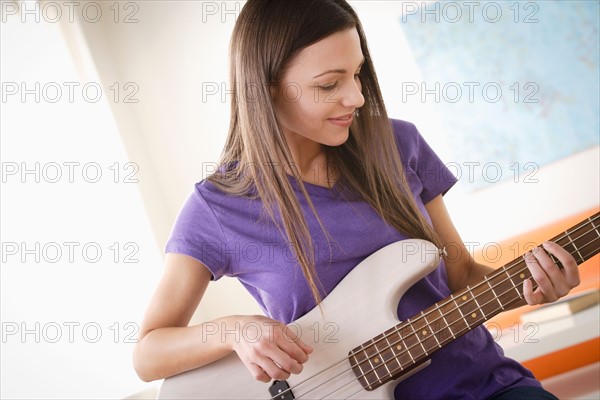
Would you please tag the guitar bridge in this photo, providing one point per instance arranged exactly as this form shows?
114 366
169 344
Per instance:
280 390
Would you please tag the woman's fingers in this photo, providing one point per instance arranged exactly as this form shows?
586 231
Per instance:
552 282
570 269
275 353
284 361
530 296
273 369
257 372
293 346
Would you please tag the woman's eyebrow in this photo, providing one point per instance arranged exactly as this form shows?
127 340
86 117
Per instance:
338 71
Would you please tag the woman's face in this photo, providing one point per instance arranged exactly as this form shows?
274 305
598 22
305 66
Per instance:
320 90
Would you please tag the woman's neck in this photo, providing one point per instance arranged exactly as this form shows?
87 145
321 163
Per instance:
310 160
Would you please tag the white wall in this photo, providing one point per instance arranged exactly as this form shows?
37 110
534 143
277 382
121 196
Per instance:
68 321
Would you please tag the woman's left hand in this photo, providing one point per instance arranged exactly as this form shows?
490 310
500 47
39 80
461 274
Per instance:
553 282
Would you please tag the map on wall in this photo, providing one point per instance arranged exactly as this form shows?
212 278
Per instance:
515 83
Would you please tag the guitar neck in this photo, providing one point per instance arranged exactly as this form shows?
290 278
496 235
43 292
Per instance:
403 347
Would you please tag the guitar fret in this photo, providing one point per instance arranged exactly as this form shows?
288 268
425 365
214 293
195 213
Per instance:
511 280
401 357
449 328
432 331
594 227
586 241
441 328
504 287
394 356
445 321
362 373
574 246
409 341
494 292
408 352
461 313
382 358
592 240
418 339
469 306
373 369
476 302
486 299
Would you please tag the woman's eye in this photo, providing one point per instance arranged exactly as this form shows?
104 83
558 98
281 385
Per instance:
329 87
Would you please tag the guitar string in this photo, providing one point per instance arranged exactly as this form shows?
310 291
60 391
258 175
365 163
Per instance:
355 393
415 334
424 315
352 381
594 228
360 389
465 329
454 323
448 302
315 375
343 386
458 332
453 298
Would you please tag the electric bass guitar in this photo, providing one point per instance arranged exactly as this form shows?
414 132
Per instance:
370 351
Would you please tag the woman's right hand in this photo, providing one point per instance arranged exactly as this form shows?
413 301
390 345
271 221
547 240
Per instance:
167 345
268 348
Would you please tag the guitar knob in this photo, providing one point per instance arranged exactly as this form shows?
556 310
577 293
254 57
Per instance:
442 252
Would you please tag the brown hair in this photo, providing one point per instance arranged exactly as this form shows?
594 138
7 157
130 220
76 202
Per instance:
267 34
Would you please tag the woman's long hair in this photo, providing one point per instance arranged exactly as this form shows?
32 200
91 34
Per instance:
267 34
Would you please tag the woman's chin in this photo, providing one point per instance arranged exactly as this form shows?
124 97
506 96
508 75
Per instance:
338 139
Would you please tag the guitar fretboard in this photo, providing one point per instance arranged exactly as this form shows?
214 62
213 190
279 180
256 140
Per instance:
405 346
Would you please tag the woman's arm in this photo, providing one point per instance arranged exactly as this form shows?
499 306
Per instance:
167 346
462 270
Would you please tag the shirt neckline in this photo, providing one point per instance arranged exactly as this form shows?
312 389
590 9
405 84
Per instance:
314 189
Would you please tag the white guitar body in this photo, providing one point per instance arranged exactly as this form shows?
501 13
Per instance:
360 307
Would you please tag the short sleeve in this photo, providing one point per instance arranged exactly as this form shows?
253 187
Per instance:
197 233
419 158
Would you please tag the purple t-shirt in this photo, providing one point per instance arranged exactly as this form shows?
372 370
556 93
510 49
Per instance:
232 237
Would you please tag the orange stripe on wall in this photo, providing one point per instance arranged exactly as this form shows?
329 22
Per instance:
564 360
589 270
571 357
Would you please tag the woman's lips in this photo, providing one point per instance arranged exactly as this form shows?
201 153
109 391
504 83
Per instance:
344 120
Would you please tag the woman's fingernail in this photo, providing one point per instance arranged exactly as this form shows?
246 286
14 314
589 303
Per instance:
534 250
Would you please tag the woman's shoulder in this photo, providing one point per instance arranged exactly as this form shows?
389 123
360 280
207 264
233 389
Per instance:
206 188
405 131
200 199
402 125
208 192
221 194
407 137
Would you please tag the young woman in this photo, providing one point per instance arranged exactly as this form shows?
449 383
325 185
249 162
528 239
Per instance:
314 178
